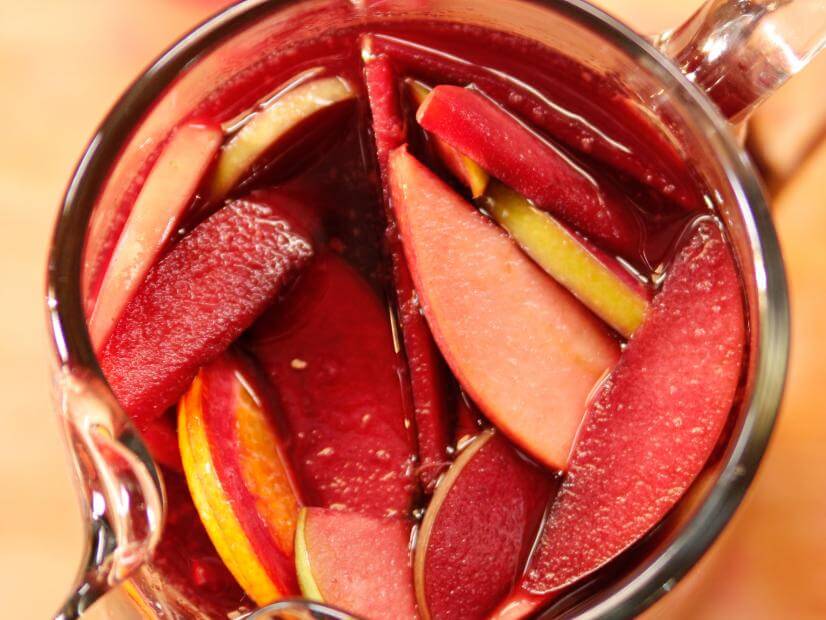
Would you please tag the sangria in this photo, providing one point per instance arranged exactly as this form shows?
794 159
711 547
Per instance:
422 320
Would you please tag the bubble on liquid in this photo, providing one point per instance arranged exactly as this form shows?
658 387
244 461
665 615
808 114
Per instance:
515 98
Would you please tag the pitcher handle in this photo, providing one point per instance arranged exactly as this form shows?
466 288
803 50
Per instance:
740 51
120 488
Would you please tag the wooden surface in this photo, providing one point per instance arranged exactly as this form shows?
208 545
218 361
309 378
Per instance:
62 64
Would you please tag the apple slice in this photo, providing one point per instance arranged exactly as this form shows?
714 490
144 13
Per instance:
591 117
109 216
327 349
239 479
424 363
594 278
464 168
674 387
478 529
480 129
196 300
467 422
271 124
523 348
358 563
165 196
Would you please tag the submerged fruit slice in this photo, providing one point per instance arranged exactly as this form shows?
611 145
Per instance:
239 480
524 349
161 438
594 278
270 125
477 127
355 562
186 560
463 167
328 351
654 422
198 299
478 529
467 422
167 192
425 365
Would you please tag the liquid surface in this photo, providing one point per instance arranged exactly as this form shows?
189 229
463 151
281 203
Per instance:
422 269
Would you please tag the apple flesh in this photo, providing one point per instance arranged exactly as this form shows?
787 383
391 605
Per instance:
523 348
271 124
593 277
674 385
355 562
168 191
327 350
469 173
478 529
426 369
480 129
197 300
239 478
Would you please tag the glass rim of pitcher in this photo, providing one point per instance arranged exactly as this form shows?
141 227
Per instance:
74 349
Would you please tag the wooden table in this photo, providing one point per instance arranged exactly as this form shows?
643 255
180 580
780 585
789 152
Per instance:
62 64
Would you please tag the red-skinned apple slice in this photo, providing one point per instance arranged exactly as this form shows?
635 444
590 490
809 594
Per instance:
478 529
609 129
196 300
467 422
425 365
163 199
239 479
524 349
675 385
110 215
464 168
327 349
358 563
596 279
272 123
480 129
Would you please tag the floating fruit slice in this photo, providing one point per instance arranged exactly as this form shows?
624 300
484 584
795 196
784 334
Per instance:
327 350
239 480
272 124
653 424
594 278
478 128
478 529
614 134
464 168
165 196
525 350
425 365
110 215
196 300
355 562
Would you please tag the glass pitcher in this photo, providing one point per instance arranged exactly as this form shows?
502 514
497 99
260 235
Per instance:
734 52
